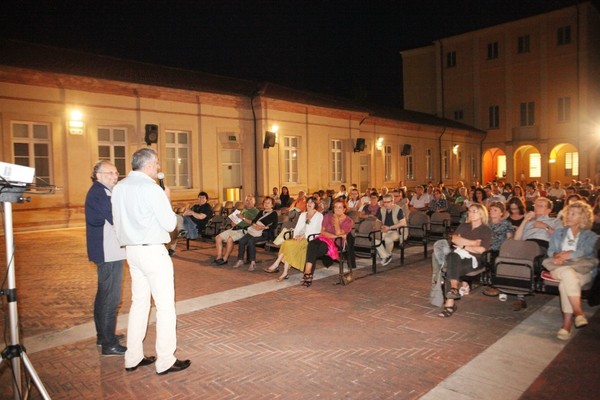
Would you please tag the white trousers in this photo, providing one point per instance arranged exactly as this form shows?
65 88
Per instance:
151 271
389 238
570 285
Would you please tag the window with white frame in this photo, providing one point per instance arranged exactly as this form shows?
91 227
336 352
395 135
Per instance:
535 165
523 44
494 117
460 164
527 113
410 169
290 158
564 109
563 35
31 148
572 164
446 164
177 145
387 150
428 164
337 166
112 146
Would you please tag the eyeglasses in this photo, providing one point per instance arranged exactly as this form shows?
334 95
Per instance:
387 201
109 172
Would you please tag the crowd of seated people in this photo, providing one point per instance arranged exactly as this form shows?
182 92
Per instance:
497 208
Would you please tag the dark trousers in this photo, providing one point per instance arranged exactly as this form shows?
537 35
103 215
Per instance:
248 242
456 266
108 298
317 248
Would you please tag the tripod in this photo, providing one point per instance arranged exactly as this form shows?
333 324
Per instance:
14 352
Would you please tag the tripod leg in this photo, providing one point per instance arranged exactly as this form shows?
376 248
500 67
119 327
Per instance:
34 376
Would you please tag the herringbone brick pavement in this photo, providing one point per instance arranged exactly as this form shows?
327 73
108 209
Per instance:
377 338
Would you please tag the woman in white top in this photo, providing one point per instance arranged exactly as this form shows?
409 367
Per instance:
293 251
354 202
342 193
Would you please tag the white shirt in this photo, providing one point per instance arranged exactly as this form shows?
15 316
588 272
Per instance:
142 213
314 227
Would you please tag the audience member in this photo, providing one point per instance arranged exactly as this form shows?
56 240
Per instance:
293 251
262 229
234 234
573 262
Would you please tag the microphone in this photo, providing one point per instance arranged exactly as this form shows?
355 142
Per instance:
161 180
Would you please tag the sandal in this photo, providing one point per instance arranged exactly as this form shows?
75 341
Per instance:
271 271
448 311
307 280
453 294
281 278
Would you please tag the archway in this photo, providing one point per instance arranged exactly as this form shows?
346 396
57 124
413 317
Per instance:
527 164
564 163
493 164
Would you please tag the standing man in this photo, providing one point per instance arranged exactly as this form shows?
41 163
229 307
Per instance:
105 251
143 219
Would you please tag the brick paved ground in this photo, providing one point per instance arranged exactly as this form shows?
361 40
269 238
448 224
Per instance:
374 339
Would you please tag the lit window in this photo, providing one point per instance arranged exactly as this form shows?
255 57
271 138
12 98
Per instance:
112 145
31 148
428 164
177 145
336 161
410 170
388 163
290 158
572 164
535 165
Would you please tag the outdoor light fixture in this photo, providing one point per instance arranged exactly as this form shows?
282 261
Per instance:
275 129
455 149
552 160
379 143
75 124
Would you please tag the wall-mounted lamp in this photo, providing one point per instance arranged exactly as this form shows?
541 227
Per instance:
455 149
379 143
75 123
275 130
552 160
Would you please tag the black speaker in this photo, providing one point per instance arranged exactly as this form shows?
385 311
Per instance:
406 150
360 145
151 134
269 140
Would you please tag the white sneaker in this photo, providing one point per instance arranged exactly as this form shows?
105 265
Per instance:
386 261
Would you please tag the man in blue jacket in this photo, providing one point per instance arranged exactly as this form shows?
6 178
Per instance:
105 251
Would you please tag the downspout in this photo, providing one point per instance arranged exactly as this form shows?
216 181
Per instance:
440 153
481 158
252 97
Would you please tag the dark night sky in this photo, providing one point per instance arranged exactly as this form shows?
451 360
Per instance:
344 48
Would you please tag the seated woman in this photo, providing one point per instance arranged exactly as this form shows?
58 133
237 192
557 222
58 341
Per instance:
284 197
516 211
470 240
293 251
265 222
336 224
354 202
371 209
573 262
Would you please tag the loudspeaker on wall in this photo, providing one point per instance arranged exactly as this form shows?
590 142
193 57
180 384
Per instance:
406 150
269 140
360 145
151 134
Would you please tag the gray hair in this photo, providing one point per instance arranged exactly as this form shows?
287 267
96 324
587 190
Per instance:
97 167
142 157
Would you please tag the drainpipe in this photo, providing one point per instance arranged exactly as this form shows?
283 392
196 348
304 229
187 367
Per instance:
440 153
481 158
259 92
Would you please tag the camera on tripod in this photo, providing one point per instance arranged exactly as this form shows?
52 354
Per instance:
14 179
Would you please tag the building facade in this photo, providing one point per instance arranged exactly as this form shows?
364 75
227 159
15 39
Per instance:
532 84
61 111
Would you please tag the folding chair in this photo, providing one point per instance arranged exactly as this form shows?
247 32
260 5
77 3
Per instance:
517 266
415 233
367 238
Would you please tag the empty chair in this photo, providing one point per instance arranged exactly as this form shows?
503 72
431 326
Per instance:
367 238
516 267
457 212
415 233
227 208
439 227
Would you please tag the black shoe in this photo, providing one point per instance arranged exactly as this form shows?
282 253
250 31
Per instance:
176 367
116 350
118 337
171 252
145 361
216 261
221 262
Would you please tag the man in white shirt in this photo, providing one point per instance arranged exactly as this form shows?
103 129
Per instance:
420 200
556 191
143 218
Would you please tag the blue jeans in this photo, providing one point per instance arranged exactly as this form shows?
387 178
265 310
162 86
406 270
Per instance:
108 298
191 227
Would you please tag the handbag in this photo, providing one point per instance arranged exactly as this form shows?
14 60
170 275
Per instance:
581 265
281 237
255 232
